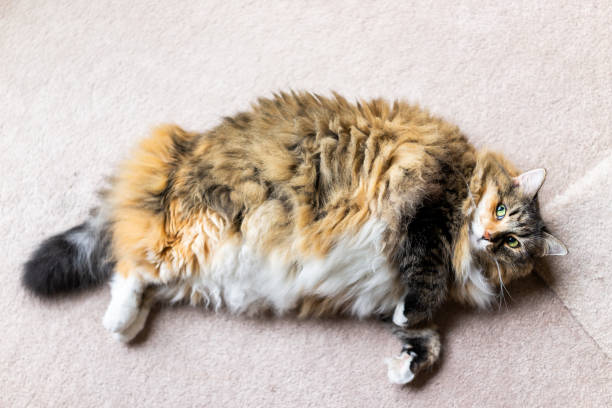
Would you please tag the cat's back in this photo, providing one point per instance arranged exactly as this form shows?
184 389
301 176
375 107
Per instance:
315 159
298 148
305 145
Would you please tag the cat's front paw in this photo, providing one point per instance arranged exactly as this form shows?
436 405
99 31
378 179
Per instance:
421 350
398 368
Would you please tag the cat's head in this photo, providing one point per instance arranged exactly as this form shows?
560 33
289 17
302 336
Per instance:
506 232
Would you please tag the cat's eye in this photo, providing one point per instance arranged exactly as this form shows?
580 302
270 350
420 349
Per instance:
512 242
500 211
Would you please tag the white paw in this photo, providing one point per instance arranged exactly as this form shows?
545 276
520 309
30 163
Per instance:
126 294
399 318
121 337
398 368
127 334
119 315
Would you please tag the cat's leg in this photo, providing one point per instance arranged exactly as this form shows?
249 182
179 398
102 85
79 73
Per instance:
426 291
127 334
421 347
420 350
126 298
426 281
422 262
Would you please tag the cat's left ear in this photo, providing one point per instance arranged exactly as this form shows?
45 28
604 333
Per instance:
552 245
530 181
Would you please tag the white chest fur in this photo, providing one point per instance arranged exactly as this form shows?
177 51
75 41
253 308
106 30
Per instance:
474 287
354 273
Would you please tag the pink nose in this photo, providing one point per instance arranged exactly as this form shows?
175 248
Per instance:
486 235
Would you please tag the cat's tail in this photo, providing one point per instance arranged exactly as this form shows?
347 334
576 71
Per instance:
78 258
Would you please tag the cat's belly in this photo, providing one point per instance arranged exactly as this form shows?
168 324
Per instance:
353 278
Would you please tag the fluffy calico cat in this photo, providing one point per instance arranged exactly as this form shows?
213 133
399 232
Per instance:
307 205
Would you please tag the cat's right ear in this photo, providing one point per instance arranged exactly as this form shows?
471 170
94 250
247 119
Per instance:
552 245
530 181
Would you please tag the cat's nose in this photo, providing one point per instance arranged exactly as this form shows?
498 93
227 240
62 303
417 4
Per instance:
486 235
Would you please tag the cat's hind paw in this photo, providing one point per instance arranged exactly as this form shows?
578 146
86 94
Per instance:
126 297
128 334
398 368
119 316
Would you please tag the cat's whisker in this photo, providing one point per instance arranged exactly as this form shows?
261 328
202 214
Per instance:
508 293
502 287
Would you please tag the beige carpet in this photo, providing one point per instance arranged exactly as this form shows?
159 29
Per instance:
82 81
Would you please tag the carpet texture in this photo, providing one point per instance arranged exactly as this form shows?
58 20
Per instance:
83 81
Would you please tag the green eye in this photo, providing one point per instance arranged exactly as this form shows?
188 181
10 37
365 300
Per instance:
500 211
512 242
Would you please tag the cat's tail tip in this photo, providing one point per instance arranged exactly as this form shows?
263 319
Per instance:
73 260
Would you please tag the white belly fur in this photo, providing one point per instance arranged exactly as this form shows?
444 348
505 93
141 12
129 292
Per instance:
355 270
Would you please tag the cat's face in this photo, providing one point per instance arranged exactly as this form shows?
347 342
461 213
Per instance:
506 228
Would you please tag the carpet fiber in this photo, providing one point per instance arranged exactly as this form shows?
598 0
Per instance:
83 81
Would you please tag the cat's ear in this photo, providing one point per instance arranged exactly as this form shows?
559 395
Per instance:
552 245
530 181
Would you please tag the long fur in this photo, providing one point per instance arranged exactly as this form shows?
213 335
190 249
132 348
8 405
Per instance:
307 205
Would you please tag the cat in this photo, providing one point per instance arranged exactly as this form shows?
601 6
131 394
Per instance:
307 205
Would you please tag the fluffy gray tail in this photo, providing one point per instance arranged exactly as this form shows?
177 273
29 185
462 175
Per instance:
75 259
